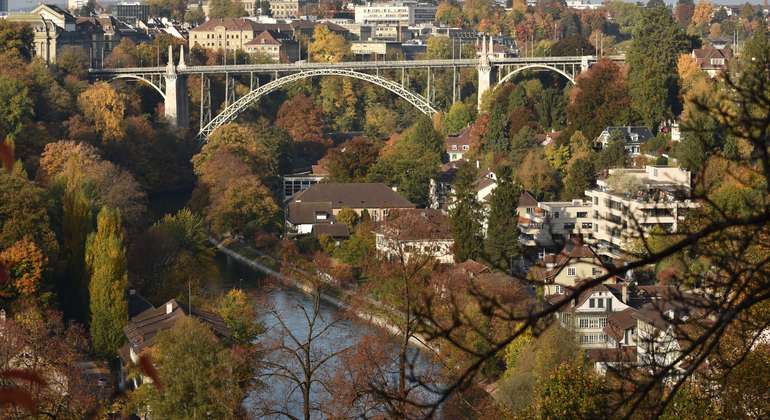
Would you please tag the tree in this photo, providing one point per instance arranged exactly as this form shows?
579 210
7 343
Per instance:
15 107
459 117
240 316
245 207
580 177
571 46
683 12
328 46
299 360
351 161
570 392
465 214
301 118
196 372
16 38
73 61
537 175
449 14
599 99
106 266
612 156
195 16
689 72
423 132
24 213
105 108
702 13
347 217
381 121
655 47
171 256
226 9
496 136
25 264
502 243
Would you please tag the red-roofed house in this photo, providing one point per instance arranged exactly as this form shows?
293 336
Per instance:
459 144
279 49
712 60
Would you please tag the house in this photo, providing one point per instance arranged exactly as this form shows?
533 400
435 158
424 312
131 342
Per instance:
287 8
587 314
416 232
320 203
485 184
552 222
633 137
630 202
711 60
277 46
440 189
142 329
298 182
457 145
558 273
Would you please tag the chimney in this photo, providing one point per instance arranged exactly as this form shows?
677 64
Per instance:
169 307
624 293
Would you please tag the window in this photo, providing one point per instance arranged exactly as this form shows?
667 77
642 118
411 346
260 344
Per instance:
600 302
590 303
586 225
571 271
582 214
596 271
569 226
466 147
529 210
556 215
559 289
717 61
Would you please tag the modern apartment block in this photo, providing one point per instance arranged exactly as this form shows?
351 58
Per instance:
403 13
630 202
553 222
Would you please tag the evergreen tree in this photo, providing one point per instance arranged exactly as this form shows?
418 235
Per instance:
580 176
495 138
466 214
652 79
76 225
106 263
502 243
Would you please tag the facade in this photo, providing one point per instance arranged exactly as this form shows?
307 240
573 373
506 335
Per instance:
712 60
633 201
457 145
397 13
559 273
271 44
588 316
287 8
223 33
632 136
375 49
295 183
132 12
552 222
75 5
321 203
416 232
3 7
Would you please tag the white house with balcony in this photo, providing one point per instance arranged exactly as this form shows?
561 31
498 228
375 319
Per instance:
630 202
552 222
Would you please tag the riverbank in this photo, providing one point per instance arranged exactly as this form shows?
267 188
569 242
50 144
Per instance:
338 302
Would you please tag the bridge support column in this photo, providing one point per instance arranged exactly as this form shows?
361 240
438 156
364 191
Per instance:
485 71
175 107
584 63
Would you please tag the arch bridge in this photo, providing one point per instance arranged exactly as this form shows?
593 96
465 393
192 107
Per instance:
170 81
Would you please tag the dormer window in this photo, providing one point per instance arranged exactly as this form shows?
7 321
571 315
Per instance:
466 147
717 61
320 215
571 271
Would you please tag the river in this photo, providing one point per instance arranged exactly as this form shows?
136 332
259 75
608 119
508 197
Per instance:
288 304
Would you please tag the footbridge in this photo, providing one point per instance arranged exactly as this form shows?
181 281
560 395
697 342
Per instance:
170 81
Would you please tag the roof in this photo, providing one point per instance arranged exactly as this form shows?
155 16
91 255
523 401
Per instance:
625 354
630 133
305 213
573 249
230 24
335 230
417 224
354 196
472 267
707 53
459 139
618 322
527 200
264 38
137 304
142 329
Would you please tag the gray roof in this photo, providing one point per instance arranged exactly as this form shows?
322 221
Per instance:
335 230
354 196
304 213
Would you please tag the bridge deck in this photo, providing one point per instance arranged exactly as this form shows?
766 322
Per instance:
351 65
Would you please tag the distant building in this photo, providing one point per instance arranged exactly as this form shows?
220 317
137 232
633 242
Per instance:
298 182
3 7
558 273
131 13
397 13
321 203
633 201
280 49
633 137
553 222
459 144
370 50
712 60
76 5
416 232
287 8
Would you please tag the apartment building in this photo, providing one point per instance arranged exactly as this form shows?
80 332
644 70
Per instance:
552 222
397 13
630 202
287 8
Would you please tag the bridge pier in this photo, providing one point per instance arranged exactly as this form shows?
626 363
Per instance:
175 107
486 71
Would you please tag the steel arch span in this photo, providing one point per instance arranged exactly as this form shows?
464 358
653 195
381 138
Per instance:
569 77
232 111
141 79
